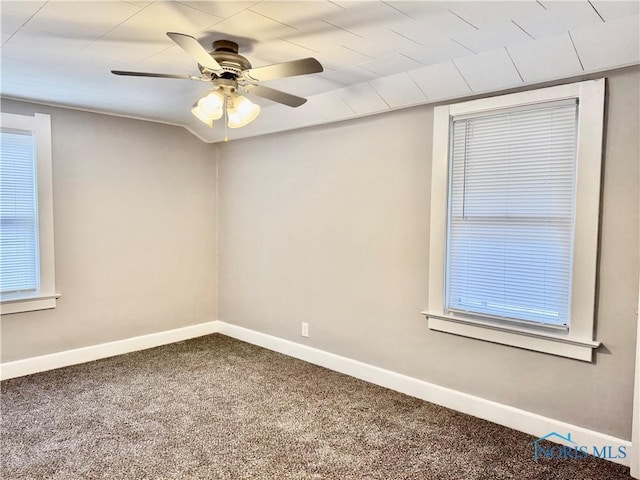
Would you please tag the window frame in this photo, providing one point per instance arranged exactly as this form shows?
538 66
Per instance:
45 297
577 342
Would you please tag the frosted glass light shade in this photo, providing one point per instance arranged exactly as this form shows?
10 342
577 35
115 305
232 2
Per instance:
209 107
241 112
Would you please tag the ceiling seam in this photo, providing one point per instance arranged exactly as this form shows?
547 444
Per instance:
201 11
336 4
520 27
596 10
398 10
272 19
418 85
461 18
465 80
101 36
298 45
408 38
346 103
341 28
411 58
359 53
26 21
514 64
463 46
576 50
112 29
247 9
379 95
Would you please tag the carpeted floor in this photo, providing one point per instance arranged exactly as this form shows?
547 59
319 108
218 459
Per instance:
217 408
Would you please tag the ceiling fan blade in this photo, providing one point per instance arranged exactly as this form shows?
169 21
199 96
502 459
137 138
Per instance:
194 48
275 95
158 75
281 70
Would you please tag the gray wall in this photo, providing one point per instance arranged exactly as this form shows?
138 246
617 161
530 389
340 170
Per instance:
330 225
135 233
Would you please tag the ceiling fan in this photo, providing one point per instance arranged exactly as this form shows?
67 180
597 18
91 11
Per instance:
231 73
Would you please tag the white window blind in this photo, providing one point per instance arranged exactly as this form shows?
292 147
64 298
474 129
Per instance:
511 214
18 213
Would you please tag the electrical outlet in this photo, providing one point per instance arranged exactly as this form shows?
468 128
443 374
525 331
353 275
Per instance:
305 329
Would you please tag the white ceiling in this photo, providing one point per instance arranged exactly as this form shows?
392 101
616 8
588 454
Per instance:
377 55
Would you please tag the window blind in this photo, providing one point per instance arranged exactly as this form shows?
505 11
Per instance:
18 213
511 212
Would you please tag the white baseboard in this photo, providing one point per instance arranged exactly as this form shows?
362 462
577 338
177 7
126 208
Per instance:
521 420
43 363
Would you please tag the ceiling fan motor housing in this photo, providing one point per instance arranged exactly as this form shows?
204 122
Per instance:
225 52
225 46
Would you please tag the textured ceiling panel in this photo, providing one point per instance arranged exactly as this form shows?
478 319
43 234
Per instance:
296 14
391 64
489 15
332 107
398 90
438 52
153 21
253 26
83 21
368 19
419 10
440 81
362 98
435 28
321 36
39 47
611 44
350 76
382 44
489 71
558 17
477 41
11 22
218 9
609 10
537 60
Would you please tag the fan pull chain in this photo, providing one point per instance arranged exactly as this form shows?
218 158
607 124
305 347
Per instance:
226 118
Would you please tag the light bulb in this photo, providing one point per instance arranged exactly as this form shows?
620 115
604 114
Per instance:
241 112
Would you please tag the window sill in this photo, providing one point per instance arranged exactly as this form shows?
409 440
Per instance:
28 304
561 345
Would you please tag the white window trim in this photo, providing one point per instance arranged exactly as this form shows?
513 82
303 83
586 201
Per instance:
578 342
46 297
635 428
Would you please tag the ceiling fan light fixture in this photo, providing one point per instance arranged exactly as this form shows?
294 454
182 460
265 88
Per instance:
241 111
209 107
204 119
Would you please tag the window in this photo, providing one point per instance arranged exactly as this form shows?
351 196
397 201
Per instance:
514 218
27 279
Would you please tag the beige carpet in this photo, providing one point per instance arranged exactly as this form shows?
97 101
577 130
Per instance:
217 408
